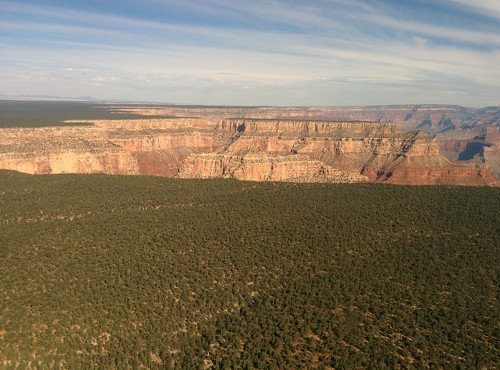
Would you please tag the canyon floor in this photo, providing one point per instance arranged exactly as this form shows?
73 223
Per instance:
414 145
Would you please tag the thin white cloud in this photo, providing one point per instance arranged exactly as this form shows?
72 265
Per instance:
106 25
489 8
106 54
491 39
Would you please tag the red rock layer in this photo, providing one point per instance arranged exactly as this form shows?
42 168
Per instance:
248 149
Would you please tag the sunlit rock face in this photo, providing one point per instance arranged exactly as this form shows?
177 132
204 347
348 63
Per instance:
318 144
461 133
281 150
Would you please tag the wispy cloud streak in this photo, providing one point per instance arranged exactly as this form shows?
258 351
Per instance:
170 50
489 8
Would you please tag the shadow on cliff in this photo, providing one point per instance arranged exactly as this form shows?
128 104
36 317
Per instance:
472 149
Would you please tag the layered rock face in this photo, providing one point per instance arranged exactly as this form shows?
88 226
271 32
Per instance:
154 147
460 132
259 166
379 152
491 148
70 156
66 150
259 149
432 119
159 146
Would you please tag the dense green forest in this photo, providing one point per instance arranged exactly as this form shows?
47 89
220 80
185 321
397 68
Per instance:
129 271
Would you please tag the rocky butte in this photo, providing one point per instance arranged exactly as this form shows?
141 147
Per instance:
317 144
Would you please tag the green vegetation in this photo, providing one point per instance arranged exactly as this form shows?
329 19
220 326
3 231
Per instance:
52 113
115 272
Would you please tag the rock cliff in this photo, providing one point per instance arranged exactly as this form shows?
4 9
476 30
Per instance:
67 156
261 166
300 146
153 147
259 149
459 131
63 150
159 146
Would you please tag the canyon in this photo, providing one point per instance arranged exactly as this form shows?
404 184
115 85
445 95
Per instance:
414 145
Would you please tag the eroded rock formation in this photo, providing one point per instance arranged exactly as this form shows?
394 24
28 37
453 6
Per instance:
63 150
153 147
330 151
291 148
261 166
460 132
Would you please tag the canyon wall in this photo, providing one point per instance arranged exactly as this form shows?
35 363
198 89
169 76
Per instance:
459 131
63 150
302 145
153 147
380 152
261 166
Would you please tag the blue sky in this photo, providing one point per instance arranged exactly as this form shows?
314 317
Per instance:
258 52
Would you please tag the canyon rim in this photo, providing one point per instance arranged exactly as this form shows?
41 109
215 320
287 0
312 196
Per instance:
413 145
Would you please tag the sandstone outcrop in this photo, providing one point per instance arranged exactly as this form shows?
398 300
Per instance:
159 146
379 152
261 166
432 119
455 128
67 156
303 145
153 147
63 150
491 149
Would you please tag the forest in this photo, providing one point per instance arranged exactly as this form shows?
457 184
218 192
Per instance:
21 113
118 272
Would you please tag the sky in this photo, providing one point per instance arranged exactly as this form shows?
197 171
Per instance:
254 52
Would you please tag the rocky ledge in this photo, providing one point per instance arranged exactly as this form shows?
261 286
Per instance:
337 151
242 148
